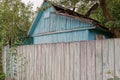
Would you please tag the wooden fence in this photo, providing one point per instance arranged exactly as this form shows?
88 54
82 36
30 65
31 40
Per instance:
9 62
85 60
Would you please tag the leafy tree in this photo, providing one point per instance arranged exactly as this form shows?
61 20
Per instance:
15 20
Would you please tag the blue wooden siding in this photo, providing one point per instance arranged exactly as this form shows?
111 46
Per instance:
58 23
50 23
55 23
62 37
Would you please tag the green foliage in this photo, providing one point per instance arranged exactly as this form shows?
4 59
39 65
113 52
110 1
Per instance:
43 8
113 24
84 6
2 76
114 9
15 20
70 4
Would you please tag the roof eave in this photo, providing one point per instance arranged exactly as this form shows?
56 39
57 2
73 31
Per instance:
88 20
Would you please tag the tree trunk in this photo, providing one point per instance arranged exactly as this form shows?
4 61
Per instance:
108 17
105 11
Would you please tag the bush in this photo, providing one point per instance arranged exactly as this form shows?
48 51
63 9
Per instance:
2 76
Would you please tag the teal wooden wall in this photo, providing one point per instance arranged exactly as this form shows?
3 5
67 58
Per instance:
55 23
62 37
52 23
52 28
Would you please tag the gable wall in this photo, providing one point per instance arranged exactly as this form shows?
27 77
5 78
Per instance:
55 23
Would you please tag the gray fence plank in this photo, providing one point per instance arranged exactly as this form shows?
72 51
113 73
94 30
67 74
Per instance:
91 60
99 72
105 49
111 59
117 58
76 57
83 61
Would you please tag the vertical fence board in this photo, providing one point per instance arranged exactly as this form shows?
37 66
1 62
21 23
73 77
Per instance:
71 64
43 62
76 57
27 62
22 63
52 61
62 62
58 61
111 59
83 61
18 48
47 62
36 68
99 72
90 61
117 58
105 49
20 60
67 60
38 62
93 52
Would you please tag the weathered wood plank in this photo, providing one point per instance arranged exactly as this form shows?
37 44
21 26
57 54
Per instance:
18 74
28 59
35 63
20 60
71 64
62 62
76 57
38 59
58 62
99 55
53 61
24 63
47 62
117 58
83 61
43 75
67 60
91 60
111 58
105 49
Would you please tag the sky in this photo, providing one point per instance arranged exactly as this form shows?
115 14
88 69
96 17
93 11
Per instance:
36 3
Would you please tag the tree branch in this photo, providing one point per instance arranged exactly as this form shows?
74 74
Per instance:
94 7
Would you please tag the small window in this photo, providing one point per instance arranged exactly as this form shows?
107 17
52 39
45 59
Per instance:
99 37
46 15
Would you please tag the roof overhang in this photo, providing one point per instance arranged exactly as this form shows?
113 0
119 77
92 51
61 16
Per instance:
88 20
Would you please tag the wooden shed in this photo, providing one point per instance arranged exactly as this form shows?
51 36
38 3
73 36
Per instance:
56 24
